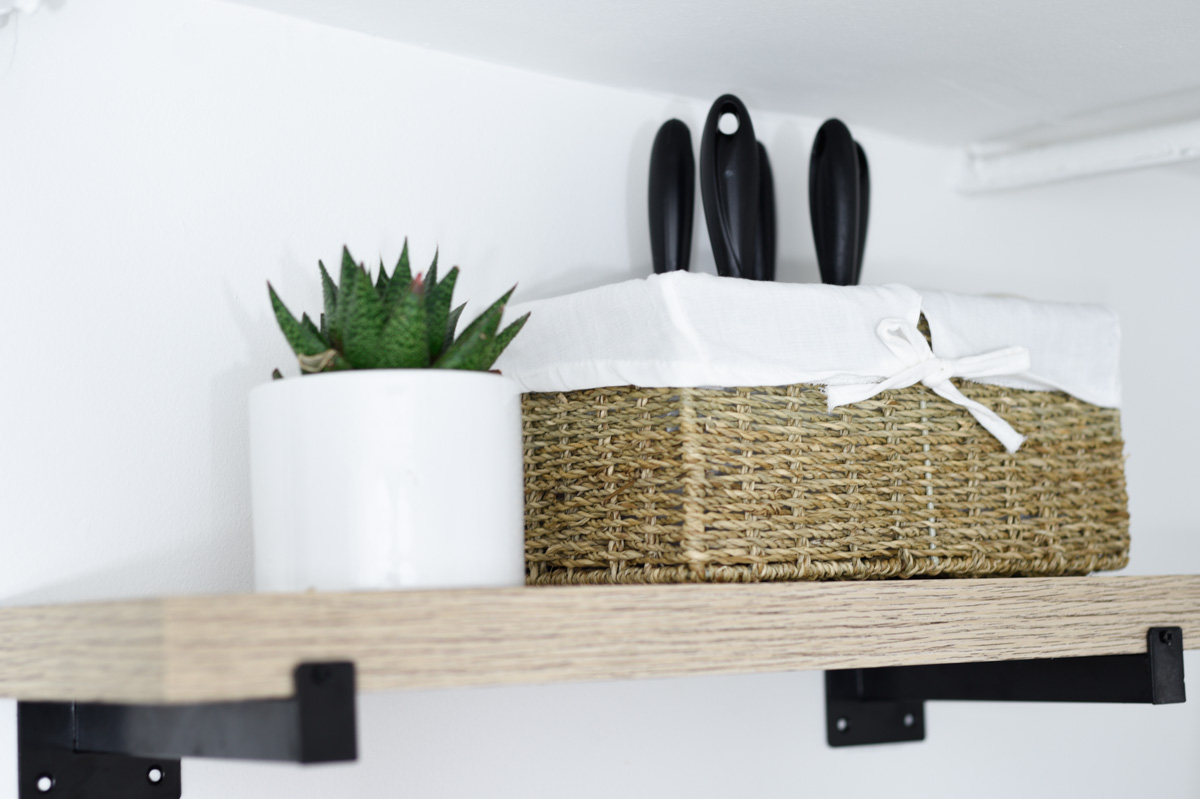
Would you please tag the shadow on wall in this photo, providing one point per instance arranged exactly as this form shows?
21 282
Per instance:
789 152
581 279
229 456
126 580
637 225
229 453
637 222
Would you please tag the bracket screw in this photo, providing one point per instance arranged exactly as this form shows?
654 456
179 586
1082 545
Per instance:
1166 636
322 675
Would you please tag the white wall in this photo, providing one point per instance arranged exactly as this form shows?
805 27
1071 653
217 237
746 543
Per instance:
160 161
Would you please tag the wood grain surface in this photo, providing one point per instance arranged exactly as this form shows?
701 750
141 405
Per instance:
237 647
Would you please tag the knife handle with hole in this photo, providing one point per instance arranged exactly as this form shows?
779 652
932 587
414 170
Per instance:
729 187
672 197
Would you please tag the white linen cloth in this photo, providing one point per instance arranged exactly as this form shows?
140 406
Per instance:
1072 347
688 329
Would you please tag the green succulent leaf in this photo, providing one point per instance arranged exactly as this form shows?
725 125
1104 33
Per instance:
452 326
404 342
402 272
437 307
312 328
276 375
381 281
431 277
401 280
329 292
505 337
473 349
392 321
361 314
302 340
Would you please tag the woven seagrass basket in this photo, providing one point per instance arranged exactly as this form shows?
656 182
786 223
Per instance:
660 485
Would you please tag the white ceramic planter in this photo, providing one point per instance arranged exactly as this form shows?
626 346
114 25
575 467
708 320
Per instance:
385 479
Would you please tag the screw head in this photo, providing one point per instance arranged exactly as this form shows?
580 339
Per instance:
1166 636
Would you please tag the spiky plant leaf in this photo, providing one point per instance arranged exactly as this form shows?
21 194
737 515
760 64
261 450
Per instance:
471 352
402 269
401 278
381 281
404 342
394 321
312 328
276 375
473 348
361 314
505 337
437 306
345 282
431 276
302 340
329 292
452 326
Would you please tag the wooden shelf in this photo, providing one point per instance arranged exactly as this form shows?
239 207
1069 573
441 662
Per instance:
241 647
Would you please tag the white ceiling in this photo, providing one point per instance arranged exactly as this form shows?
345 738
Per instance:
940 71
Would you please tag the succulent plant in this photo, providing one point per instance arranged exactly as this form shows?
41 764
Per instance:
393 322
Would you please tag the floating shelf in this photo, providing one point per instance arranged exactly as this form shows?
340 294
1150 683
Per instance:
936 81
213 648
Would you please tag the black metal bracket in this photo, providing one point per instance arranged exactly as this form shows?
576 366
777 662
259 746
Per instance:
887 705
76 750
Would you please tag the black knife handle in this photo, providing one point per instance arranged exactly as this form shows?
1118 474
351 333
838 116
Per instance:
729 187
764 245
833 196
864 207
672 196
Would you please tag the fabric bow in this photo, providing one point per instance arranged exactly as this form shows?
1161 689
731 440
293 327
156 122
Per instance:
905 341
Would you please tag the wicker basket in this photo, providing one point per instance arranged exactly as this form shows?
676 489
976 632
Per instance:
641 485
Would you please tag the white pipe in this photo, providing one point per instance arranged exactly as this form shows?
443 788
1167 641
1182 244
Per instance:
986 170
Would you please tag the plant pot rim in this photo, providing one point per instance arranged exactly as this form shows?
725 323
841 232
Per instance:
385 376
424 370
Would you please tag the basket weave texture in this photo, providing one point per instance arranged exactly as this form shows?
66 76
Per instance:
662 485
